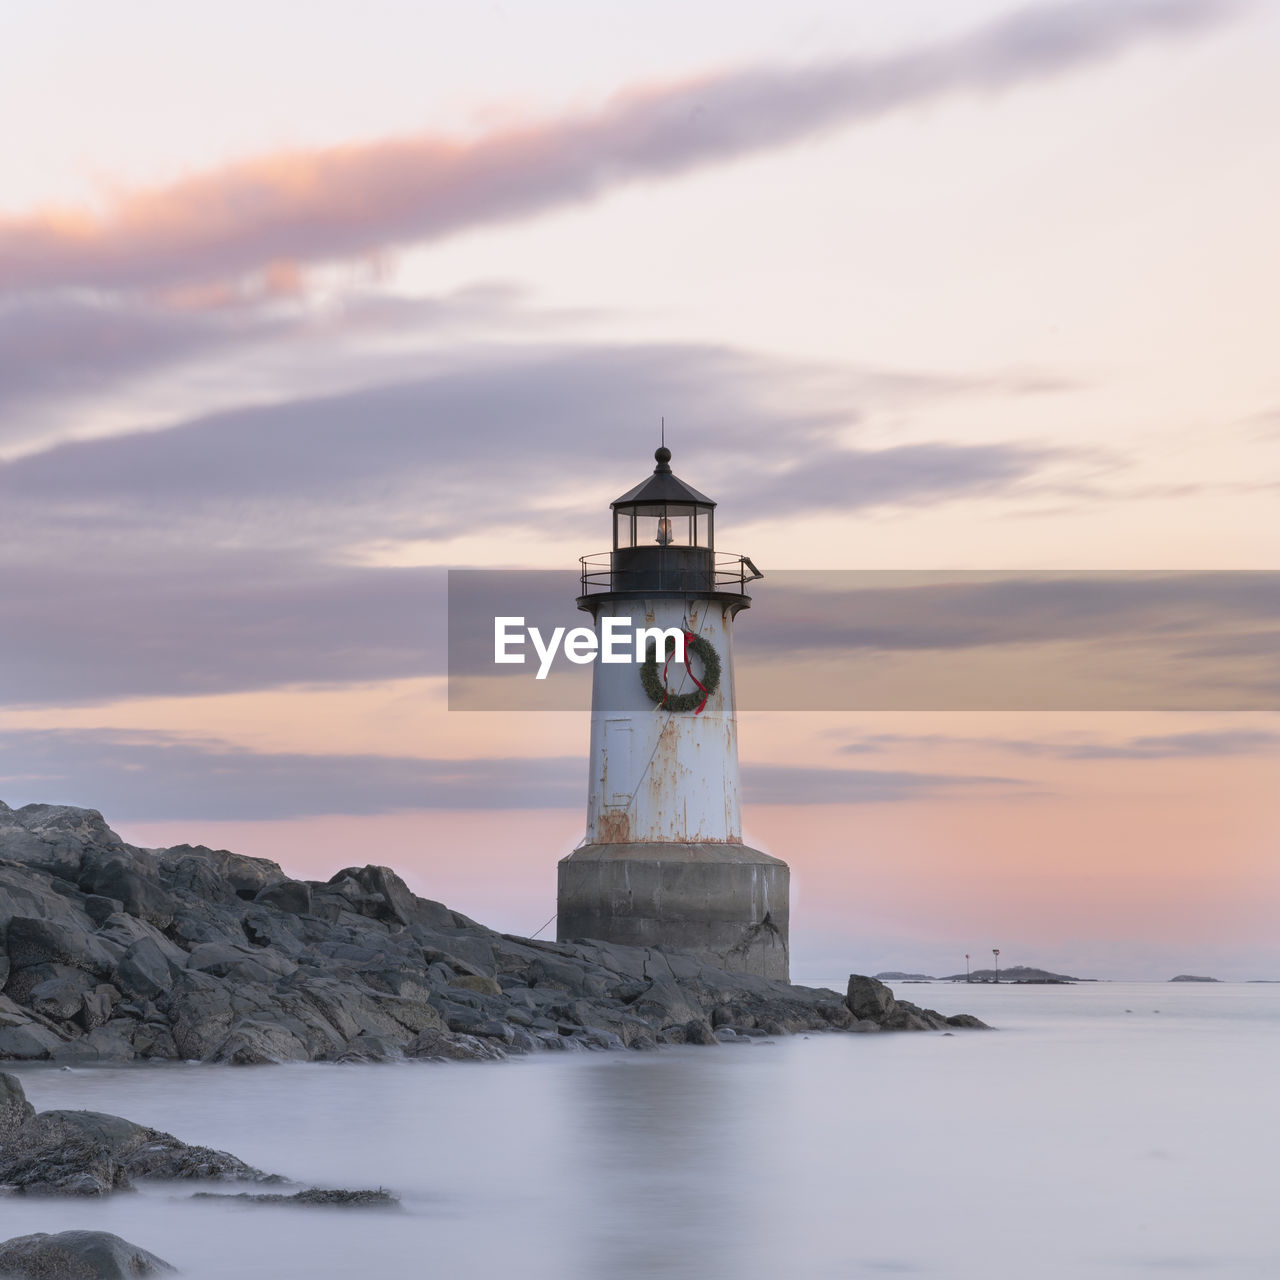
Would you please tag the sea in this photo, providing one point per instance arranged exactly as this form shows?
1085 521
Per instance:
1111 1129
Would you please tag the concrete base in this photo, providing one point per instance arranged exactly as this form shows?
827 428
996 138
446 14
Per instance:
725 902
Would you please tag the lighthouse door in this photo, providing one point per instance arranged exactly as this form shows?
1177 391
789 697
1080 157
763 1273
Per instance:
616 787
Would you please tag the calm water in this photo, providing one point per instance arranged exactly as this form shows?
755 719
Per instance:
1080 1141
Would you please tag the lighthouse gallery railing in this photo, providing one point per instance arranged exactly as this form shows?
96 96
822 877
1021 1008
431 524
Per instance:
720 572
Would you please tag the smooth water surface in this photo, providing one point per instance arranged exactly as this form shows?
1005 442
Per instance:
1117 1129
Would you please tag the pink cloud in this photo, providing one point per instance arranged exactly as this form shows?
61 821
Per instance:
357 199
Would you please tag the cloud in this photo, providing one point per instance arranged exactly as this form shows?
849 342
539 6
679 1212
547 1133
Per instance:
65 344
69 356
1197 745
142 777
798 784
186 621
153 776
1193 745
890 610
355 199
499 431
217 554
854 479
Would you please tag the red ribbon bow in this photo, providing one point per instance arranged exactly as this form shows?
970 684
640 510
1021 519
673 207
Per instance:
666 691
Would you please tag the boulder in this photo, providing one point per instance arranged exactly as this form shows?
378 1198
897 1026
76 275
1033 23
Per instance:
96 1006
698 1031
869 998
90 1153
52 837
27 1042
205 870
258 1043
62 997
32 941
130 878
380 894
112 1042
47 1157
967 1020
78 1255
100 909
147 970
123 930
14 1107
666 1005
441 1046
290 896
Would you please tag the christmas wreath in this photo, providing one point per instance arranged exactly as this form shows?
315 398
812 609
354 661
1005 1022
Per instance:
655 685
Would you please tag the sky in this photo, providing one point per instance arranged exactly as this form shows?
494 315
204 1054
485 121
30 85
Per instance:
297 312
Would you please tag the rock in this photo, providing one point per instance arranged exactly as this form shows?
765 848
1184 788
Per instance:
78 1255
115 1133
32 941
666 1006
14 1107
52 837
47 1157
60 998
441 1046
113 1042
162 1157
573 979
100 909
869 998
96 1006
243 963
256 1043
381 894
125 877
195 953
371 1047
290 896
91 1153
146 970
698 1031
27 1042
478 982
966 1020
378 1199
122 930
204 869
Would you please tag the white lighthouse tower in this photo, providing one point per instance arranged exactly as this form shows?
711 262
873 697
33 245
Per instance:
663 862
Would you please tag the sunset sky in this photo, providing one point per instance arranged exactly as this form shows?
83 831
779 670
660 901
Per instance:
302 305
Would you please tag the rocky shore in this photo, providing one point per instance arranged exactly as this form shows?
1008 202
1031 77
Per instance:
113 953
91 1153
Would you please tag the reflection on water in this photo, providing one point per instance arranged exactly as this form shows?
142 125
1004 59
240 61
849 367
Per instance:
1082 1140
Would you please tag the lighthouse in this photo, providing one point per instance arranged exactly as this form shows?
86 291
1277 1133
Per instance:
663 863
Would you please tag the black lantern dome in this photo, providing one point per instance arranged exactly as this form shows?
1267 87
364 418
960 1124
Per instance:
663 511
663 544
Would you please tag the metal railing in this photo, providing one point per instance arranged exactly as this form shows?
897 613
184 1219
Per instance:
726 573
